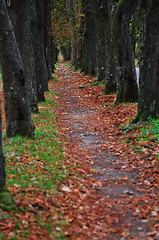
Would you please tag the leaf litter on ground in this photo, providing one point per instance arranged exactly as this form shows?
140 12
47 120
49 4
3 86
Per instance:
53 178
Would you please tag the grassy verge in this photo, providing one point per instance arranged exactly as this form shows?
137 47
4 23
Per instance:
35 170
143 137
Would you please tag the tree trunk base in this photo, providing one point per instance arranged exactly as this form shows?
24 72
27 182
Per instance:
41 97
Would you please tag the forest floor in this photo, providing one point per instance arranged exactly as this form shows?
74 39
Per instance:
105 173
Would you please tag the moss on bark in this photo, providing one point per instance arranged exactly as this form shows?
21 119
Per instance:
7 202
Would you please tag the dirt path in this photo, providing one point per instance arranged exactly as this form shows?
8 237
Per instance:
110 201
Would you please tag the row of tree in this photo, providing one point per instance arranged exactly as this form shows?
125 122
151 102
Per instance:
106 36
27 58
97 35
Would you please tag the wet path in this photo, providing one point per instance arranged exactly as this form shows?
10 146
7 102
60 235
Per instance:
114 181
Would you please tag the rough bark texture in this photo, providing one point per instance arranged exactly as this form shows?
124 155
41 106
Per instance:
20 12
85 52
47 36
18 113
90 38
39 48
102 20
74 49
111 71
149 70
76 32
127 90
54 54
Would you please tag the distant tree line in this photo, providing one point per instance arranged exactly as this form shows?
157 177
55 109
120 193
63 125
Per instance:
106 38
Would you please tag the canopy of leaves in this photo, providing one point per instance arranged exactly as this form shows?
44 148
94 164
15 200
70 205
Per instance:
66 19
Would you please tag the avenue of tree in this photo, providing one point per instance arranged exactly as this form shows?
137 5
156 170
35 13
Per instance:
101 37
106 37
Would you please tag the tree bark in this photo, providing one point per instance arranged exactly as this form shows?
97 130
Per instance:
90 38
20 13
18 113
102 19
47 36
42 75
148 104
6 201
127 89
54 54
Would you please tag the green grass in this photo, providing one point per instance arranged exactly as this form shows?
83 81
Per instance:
37 163
57 65
145 132
151 130
43 147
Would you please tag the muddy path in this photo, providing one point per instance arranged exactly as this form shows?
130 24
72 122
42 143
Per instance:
117 197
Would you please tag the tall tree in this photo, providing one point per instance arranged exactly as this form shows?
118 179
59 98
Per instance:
149 70
102 19
105 70
20 14
38 26
127 89
17 109
90 38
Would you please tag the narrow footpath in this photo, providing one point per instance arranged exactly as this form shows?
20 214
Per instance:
110 193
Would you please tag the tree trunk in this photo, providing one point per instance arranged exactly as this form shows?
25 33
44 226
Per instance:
111 71
73 32
90 38
54 54
47 36
74 48
6 201
18 113
85 51
66 52
39 48
102 21
127 89
20 12
149 70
